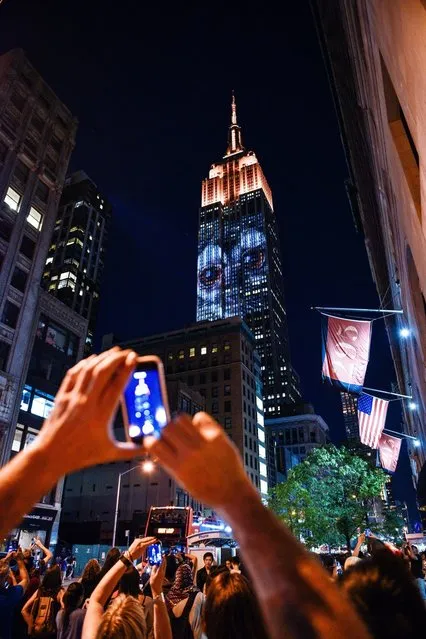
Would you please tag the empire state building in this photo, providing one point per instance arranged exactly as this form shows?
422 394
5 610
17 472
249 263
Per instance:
239 263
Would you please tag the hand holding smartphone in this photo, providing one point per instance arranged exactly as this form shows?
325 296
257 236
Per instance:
144 403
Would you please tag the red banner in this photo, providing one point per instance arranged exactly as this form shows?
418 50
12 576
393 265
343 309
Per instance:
389 448
346 348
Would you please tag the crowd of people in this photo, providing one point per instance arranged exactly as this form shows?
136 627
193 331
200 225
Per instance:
280 590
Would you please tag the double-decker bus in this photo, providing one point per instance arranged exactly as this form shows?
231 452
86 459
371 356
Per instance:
171 525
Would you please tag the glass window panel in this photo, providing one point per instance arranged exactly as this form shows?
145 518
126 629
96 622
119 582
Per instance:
17 439
35 218
56 337
12 199
41 406
26 398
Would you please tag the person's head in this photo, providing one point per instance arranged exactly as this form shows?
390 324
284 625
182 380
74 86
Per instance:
183 578
385 596
415 550
129 583
235 562
91 570
5 577
329 563
228 564
231 610
123 619
208 560
52 580
350 562
111 559
72 599
171 567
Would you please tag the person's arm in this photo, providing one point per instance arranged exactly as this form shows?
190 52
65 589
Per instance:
162 627
89 395
410 551
360 541
24 578
26 610
47 553
194 560
300 599
105 588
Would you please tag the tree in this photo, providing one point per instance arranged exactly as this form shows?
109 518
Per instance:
328 496
392 526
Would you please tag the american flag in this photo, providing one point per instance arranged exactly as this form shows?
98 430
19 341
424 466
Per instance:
371 418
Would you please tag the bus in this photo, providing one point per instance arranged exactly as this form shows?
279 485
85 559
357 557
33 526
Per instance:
171 525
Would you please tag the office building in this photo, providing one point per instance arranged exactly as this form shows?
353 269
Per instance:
374 52
290 439
239 271
75 261
350 416
37 136
220 361
90 495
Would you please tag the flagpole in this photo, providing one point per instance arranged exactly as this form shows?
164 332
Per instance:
357 310
394 432
376 390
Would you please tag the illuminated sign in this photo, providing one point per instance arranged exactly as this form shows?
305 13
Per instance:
167 531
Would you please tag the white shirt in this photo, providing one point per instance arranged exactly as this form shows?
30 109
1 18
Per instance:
195 614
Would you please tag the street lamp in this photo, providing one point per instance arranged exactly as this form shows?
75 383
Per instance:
147 467
404 332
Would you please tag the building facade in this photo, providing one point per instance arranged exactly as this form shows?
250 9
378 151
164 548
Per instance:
290 439
75 261
374 52
350 416
220 361
37 135
90 495
239 270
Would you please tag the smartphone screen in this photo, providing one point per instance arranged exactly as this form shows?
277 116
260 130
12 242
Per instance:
146 408
367 532
155 555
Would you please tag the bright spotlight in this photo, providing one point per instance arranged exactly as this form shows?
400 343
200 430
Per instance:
404 332
417 443
148 466
412 405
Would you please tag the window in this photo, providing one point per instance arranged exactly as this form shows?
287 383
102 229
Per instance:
202 378
21 173
19 279
5 229
170 355
215 391
4 354
262 469
27 247
204 350
214 348
42 404
227 389
227 406
228 423
42 191
12 199
181 354
262 452
226 346
214 376
227 374
192 352
10 314
56 337
35 218
263 486
215 407
190 381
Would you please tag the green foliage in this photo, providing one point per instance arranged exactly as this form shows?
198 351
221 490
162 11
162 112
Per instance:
393 527
328 496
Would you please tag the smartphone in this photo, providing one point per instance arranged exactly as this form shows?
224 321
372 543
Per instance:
144 403
367 532
155 554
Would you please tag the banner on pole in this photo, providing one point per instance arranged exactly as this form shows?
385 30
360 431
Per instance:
389 448
372 413
346 348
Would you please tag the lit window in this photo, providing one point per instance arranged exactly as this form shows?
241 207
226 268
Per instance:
263 486
170 355
262 469
181 355
77 204
26 398
192 352
42 404
35 218
261 435
214 348
12 199
204 350
49 260
262 452
226 346
259 403
67 275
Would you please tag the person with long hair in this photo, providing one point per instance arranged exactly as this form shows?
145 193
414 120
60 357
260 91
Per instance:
231 610
90 577
185 601
69 620
129 585
113 555
51 586
124 617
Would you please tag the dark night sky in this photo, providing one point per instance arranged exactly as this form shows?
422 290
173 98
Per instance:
152 94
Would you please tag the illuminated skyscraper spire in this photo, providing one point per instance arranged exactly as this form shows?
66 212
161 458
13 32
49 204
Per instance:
235 144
